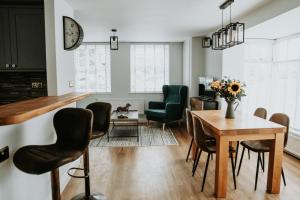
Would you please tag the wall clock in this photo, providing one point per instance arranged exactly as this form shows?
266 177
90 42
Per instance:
73 33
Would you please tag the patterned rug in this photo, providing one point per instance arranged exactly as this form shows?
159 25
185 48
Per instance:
148 136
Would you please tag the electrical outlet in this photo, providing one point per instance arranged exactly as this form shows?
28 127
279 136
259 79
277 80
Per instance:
4 154
36 85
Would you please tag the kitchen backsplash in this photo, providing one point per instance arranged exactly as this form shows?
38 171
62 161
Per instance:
17 86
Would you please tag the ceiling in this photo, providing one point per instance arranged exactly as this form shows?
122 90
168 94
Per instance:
154 20
281 26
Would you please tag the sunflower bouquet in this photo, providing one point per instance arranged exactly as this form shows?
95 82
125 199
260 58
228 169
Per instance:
230 90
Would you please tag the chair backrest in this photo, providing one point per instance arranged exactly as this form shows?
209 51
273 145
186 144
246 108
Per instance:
175 94
261 112
73 128
199 134
189 122
196 104
282 119
102 113
201 104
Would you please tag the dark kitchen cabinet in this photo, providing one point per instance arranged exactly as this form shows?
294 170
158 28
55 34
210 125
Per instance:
5 54
23 36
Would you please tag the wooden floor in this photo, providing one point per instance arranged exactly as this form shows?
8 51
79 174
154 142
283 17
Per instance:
161 173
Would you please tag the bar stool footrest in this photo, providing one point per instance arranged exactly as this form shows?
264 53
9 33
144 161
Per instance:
74 176
94 196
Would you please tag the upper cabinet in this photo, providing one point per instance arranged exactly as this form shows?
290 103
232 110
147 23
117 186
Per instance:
22 33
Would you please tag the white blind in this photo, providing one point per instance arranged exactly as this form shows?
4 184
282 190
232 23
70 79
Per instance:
149 67
272 74
92 68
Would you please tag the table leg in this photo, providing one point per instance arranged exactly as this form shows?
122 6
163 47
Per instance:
221 167
275 164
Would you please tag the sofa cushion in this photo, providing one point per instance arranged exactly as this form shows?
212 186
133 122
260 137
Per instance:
158 113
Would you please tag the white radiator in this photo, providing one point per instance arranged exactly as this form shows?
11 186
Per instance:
136 103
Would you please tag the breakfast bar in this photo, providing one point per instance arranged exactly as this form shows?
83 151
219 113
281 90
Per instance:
30 122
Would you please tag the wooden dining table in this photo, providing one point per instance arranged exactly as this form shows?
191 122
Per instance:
243 127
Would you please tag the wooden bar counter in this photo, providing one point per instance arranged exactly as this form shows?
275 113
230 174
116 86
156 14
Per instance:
19 112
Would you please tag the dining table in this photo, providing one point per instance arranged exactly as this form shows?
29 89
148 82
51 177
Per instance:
243 127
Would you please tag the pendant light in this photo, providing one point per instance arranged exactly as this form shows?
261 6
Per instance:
230 35
114 40
236 33
219 38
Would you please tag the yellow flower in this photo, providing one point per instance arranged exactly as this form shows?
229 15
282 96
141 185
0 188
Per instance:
234 88
216 84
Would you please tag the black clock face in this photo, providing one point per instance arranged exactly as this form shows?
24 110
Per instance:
73 34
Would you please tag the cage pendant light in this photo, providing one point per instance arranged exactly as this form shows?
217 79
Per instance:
236 33
219 38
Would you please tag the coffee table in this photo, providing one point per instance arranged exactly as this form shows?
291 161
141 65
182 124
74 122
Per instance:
131 120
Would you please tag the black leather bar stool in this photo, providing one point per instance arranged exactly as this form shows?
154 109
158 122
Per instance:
101 112
73 128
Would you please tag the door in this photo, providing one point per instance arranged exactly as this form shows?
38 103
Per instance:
27 39
5 54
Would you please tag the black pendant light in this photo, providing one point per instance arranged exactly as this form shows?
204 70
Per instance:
219 38
230 35
114 40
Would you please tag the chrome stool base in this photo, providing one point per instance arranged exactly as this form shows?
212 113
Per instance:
95 196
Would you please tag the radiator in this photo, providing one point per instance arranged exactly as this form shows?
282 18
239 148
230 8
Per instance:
136 103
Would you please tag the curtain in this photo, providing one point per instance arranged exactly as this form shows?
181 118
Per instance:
149 67
92 68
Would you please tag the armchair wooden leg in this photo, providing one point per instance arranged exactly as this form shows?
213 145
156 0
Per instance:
163 126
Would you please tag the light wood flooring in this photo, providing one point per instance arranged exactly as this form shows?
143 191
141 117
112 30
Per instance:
161 173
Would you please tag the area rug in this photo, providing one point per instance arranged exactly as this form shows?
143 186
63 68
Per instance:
148 136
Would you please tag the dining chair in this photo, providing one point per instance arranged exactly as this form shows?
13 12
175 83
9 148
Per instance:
208 146
264 146
190 130
259 112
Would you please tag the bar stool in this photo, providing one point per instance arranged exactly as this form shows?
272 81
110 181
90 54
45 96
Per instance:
101 112
73 128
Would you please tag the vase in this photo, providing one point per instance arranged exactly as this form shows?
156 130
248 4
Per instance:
230 110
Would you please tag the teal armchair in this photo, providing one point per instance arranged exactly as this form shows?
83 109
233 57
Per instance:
171 108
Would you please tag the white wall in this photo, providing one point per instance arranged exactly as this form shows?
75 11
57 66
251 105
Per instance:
15 184
233 62
197 65
120 75
60 63
213 63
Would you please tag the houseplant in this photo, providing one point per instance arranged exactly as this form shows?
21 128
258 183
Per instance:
231 90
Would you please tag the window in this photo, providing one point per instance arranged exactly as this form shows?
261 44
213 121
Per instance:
273 77
92 68
149 67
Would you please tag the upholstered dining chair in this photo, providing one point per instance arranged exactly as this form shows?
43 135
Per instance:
259 112
208 146
190 130
264 146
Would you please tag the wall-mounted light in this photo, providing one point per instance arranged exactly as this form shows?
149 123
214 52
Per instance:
114 40
206 42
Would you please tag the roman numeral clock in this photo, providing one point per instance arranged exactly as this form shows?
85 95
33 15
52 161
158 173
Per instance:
73 33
